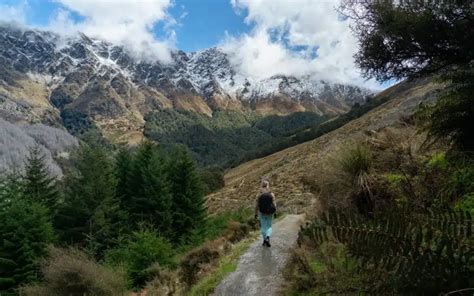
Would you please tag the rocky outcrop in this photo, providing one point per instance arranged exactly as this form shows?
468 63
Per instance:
16 140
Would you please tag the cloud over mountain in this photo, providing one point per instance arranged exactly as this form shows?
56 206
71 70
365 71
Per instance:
295 37
126 22
12 13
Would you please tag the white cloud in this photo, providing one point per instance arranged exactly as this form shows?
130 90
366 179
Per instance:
13 13
307 25
257 56
126 22
278 27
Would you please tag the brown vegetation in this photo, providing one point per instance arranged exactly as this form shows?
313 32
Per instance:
292 170
72 272
164 283
195 263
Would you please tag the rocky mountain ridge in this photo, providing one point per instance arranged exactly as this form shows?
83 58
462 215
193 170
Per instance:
80 82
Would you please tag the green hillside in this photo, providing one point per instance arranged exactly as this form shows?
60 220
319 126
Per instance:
226 136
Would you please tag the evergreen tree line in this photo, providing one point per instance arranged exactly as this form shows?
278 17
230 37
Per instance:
101 203
222 139
310 132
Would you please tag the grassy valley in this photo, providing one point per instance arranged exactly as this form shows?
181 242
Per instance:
230 138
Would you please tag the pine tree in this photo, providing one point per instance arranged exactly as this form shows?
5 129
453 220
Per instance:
11 185
188 198
90 208
141 160
25 233
157 197
123 173
39 186
130 185
148 198
107 224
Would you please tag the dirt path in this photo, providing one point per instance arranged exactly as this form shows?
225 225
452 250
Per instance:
259 271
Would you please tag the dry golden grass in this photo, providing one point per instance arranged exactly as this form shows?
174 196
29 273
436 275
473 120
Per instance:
192 103
35 95
72 272
292 170
278 105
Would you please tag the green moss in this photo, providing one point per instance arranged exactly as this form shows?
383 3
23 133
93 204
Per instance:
438 160
318 266
217 224
394 179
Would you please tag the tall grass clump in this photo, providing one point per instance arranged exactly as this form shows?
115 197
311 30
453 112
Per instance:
72 272
355 163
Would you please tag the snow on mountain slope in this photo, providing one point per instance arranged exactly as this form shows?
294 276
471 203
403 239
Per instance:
91 82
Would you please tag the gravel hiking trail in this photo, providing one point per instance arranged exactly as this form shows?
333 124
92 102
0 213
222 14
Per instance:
259 271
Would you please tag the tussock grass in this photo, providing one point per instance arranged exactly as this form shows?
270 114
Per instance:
71 272
356 163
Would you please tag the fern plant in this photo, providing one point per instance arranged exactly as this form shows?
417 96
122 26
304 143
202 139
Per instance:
429 253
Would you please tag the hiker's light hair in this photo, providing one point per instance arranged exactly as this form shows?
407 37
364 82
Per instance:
265 184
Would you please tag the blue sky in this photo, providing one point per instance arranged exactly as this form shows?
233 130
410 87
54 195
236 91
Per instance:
201 23
205 23
36 12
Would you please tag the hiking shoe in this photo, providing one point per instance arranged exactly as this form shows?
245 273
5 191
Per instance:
268 241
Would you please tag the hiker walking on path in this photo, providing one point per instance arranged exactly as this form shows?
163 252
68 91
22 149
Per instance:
264 210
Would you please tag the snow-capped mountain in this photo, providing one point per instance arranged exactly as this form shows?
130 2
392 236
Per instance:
79 81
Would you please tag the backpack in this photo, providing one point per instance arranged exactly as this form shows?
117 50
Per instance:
265 204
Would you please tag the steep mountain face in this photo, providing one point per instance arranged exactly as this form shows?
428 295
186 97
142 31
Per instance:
81 82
